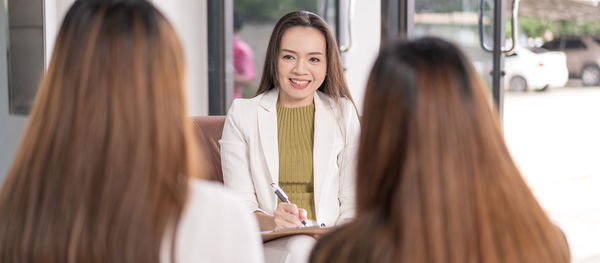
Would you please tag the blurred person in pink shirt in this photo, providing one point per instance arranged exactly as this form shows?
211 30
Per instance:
243 60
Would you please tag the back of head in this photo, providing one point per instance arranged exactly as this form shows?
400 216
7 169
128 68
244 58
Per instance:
435 180
103 164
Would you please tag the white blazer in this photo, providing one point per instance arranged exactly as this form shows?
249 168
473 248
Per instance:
250 154
207 236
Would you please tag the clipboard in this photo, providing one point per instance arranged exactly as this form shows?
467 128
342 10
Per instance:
284 232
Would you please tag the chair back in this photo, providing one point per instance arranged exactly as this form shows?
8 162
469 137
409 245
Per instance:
208 131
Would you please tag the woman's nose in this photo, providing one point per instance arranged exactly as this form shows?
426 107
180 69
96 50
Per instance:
300 67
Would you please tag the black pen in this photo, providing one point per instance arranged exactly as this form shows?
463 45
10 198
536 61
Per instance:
283 197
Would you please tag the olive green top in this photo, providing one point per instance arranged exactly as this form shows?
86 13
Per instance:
295 135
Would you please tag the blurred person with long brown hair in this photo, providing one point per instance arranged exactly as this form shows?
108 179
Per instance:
300 131
107 170
436 182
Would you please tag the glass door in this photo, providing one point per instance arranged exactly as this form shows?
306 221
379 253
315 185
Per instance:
456 21
476 26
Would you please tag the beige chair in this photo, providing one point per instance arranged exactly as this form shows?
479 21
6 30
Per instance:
208 130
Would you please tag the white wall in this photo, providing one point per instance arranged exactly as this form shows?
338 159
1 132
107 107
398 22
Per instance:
189 19
55 11
366 34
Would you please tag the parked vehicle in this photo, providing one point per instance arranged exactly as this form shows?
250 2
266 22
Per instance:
583 56
527 70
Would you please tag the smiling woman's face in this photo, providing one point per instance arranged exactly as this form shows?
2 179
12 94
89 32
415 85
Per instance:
301 66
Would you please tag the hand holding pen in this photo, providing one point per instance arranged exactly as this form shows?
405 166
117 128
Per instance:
287 214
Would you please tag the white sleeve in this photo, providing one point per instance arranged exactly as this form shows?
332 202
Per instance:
347 163
235 158
246 238
215 227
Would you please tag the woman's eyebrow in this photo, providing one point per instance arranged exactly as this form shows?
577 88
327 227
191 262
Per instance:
289 51
294 52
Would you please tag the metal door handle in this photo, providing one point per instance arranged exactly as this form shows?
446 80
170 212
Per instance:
349 19
513 26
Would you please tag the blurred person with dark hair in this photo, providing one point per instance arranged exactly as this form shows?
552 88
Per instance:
300 131
108 170
436 182
243 59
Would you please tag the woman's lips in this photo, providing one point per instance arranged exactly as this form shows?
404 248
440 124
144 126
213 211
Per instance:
299 83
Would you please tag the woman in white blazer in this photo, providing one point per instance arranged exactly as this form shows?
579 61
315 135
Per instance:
302 70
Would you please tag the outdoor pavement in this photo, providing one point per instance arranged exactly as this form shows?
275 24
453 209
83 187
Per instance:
554 137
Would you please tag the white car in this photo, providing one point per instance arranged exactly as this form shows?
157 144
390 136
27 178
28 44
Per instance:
527 70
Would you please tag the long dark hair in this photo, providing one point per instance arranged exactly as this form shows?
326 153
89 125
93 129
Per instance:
435 180
335 83
102 170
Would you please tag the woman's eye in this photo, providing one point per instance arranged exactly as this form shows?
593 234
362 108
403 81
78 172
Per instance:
287 57
314 60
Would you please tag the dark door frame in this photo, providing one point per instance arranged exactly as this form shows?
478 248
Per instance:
397 19
498 59
219 38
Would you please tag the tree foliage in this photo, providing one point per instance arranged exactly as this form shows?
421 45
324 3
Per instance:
535 27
